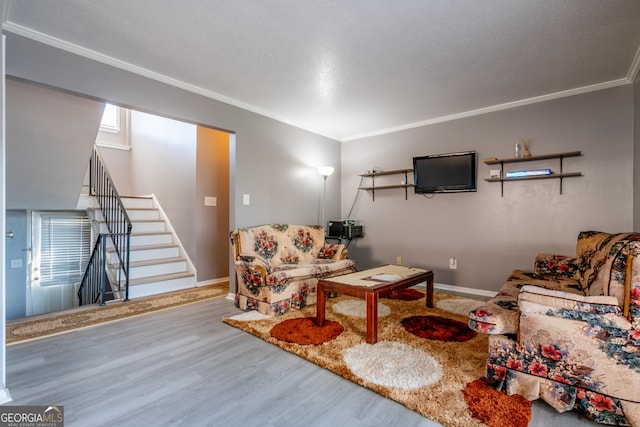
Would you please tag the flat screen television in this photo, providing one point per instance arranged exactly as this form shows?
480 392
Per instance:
445 173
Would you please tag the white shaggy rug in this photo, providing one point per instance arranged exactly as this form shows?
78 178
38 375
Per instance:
393 364
358 308
461 306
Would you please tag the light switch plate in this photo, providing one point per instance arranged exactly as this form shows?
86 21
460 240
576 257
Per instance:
210 201
246 199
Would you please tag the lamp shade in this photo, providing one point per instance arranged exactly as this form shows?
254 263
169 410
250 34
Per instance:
325 170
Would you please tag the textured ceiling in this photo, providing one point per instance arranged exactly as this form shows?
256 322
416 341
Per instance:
349 68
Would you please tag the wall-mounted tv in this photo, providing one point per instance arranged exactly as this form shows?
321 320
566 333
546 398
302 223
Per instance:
445 173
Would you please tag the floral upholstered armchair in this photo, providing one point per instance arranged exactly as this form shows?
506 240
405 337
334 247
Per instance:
279 265
575 342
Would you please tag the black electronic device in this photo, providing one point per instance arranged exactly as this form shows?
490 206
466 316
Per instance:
335 228
345 229
352 231
445 173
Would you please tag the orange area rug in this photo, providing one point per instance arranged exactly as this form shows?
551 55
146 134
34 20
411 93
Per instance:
438 328
304 331
495 408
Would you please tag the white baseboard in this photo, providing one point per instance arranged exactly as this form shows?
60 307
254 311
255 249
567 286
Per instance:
436 286
212 281
459 289
229 296
5 396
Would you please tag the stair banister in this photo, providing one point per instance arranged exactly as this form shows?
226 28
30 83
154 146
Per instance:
102 187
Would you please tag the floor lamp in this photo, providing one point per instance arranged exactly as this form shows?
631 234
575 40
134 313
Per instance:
324 171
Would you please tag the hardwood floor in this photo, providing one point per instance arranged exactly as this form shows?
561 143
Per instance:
183 366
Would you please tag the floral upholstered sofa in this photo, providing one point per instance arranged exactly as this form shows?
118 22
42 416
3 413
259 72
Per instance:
569 332
278 266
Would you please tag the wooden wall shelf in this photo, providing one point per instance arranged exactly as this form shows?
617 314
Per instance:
493 161
373 186
560 176
524 178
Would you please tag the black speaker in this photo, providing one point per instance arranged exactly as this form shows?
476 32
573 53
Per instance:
335 229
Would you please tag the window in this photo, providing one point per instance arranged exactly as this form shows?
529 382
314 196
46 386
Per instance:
114 129
62 247
110 119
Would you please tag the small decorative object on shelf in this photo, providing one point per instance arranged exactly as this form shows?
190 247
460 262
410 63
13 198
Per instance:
527 147
518 150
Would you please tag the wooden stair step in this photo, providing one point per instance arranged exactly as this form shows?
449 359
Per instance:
159 278
150 262
147 247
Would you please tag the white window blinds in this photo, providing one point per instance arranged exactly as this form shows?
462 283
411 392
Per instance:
65 245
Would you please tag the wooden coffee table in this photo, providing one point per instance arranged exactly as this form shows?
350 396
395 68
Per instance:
368 284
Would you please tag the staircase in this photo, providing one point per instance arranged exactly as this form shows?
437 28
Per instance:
157 260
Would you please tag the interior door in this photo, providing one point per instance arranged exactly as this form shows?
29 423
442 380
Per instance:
60 251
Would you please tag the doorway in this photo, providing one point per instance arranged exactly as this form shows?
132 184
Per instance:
173 171
60 250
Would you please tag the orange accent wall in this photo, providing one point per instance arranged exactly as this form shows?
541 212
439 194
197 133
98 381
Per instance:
212 222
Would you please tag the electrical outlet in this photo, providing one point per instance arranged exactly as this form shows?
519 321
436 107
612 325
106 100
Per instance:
453 263
399 260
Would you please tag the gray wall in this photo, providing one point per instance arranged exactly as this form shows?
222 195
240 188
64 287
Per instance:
5 396
50 136
163 160
636 152
118 164
16 275
274 162
491 235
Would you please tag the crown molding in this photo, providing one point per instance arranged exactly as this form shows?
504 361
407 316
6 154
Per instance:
493 108
635 67
108 60
105 59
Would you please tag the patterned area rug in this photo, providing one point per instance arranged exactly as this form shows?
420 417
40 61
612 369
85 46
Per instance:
433 377
31 328
358 308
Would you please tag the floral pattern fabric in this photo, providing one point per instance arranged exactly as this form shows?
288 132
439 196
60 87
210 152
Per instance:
574 330
562 397
284 287
558 372
278 266
603 261
500 314
552 265
265 245
330 251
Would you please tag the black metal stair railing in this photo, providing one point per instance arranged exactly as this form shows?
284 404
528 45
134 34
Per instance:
95 283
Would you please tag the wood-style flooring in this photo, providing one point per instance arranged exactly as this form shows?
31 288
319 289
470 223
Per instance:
184 367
